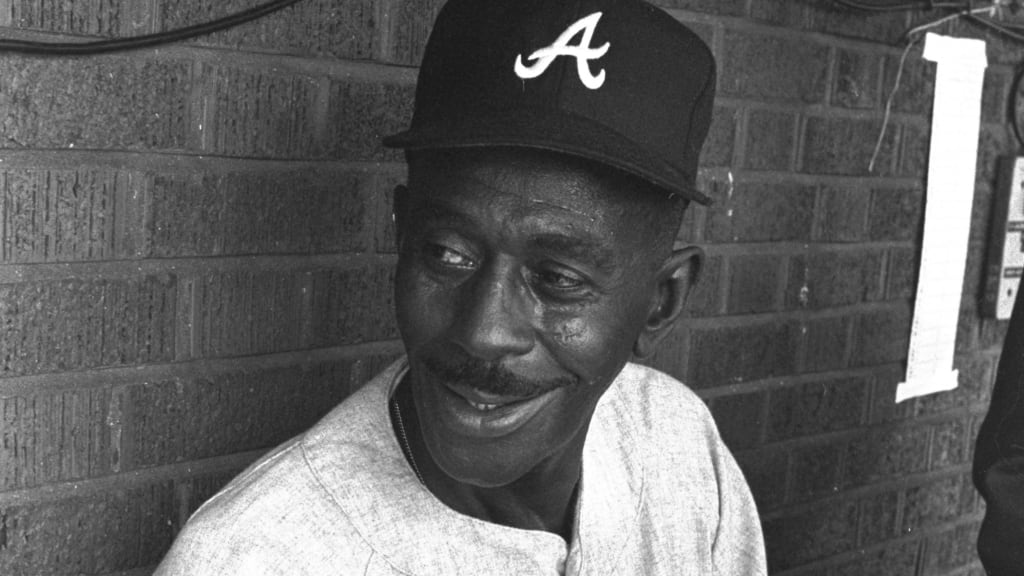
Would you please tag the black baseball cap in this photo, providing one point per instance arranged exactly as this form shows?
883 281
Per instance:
616 81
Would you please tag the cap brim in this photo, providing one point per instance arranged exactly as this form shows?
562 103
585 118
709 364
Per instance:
558 132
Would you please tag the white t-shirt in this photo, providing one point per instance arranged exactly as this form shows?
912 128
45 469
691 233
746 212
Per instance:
660 495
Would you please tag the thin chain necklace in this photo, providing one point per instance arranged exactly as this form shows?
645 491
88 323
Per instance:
406 449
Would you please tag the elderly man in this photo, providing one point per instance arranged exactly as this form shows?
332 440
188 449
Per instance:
552 152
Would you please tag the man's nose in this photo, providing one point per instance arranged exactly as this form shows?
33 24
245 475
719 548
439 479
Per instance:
493 320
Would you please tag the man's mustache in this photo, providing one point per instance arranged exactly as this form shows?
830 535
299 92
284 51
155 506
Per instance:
491 377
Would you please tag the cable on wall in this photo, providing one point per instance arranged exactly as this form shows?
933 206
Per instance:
144 41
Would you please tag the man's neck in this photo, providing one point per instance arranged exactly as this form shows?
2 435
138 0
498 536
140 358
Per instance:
543 499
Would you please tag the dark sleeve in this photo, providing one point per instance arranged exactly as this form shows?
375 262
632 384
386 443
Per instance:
999 459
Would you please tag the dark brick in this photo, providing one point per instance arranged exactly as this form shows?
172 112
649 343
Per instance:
724 7
886 453
816 408
382 192
55 437
754 283
834 278
856 83
411 22
815 471
352 306
901 274
763 212
317 27
883 397
739 353
68 216
119 530
262 114
705 298
197 418
951 549
670 356
913 161
917 82
361 114
106 103
844 146
993 143
765 472
95 18
768 68
949 443
881 337
73 324
842 214
1000 48
721 140
825 530
739 419
262 213
973 387
894 560
896 214
825 342
930 504
981 213
993 95
878 518
771 140
885 27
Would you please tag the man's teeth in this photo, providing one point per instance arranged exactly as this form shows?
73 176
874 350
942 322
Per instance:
483 407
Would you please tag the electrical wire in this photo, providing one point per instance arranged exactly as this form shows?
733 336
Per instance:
144 41
1002 29
888 103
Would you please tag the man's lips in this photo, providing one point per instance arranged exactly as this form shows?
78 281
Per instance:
483 400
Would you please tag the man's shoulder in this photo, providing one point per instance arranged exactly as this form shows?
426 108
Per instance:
657 397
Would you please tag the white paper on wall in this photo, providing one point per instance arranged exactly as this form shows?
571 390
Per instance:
956 116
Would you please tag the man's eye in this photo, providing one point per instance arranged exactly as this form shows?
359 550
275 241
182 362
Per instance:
559 280
448 257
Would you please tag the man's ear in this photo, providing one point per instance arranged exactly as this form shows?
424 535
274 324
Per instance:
399 207
676 277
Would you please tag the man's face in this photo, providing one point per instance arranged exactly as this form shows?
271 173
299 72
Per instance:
523 281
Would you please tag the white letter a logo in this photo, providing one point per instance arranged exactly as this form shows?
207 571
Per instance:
582 52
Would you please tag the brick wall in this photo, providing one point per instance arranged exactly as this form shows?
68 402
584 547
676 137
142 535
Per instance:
195 264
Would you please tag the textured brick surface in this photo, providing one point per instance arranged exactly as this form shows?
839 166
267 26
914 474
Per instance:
735 354
739 419
322 27
901 274
721 140
830 279
411 21
754 283
773 68
118 530
897 560
95 18
351 306
951 549
109 103
881 337
72 324
816 407
261 114
815 472
896 214
884 27
817 533
765 472
56 437
856 79
886 453
932 503
193 419
726 7
844 146
825 343
69 215
878 518
771 140
705 298
842 214
263 213
361 114
761 212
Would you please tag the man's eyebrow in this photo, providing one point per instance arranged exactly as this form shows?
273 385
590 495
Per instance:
582 249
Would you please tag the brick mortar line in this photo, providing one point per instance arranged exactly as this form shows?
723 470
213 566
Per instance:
175 161
784 382
784 316
899 483
788 248
749 24
859 552
746 176
136 479
128 375
226 56
131 269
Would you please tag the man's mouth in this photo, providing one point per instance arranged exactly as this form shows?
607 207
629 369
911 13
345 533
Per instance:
486 401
